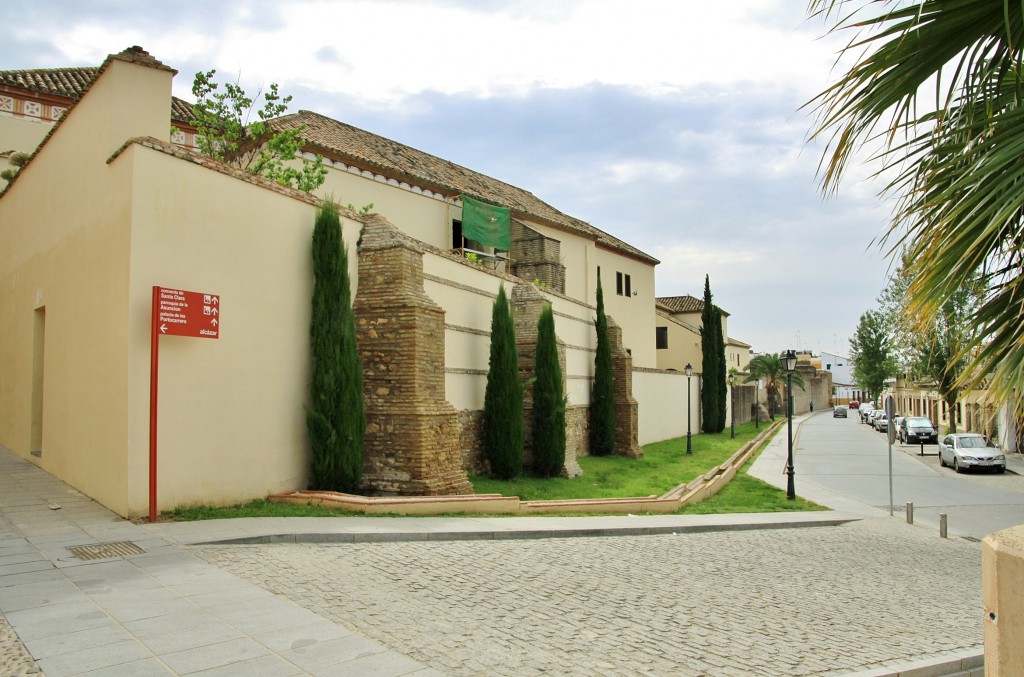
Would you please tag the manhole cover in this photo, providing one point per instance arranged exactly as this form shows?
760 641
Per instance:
105 550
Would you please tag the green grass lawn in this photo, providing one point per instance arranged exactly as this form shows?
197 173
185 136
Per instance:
663 466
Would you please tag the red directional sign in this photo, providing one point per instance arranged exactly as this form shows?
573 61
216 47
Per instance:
186 313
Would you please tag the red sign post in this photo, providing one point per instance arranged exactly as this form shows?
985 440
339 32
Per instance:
175 313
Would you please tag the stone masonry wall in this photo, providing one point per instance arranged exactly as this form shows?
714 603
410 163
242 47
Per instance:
537 257
626 408
412 434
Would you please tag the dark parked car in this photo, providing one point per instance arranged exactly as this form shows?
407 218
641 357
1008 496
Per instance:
839 412
917 430
970 450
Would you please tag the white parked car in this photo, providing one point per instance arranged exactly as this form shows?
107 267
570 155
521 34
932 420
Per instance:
970 450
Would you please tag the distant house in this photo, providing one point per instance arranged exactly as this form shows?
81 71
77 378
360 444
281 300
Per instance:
114 203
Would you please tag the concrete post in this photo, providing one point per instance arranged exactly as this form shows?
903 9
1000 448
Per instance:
1002 576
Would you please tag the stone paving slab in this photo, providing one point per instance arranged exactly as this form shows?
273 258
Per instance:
825 601
161 612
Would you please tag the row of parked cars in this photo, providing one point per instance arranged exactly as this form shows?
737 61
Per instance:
957 450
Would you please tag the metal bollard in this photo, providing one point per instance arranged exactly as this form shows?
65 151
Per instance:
942 525
910 512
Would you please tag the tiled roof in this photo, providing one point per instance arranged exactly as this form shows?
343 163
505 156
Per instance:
71 83
132 55
683 304
341 141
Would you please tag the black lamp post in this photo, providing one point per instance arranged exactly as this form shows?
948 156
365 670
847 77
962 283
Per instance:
689 372
789 362
732 405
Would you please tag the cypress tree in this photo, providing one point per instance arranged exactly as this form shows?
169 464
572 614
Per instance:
602 398
504 426
548 401
722 374
335 417
712 415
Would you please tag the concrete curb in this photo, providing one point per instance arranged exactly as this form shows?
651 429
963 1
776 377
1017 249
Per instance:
964 664
488 535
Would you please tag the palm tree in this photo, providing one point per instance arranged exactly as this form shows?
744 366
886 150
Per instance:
954 161
770 369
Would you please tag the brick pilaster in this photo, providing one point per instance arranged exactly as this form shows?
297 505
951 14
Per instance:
412 434
626 408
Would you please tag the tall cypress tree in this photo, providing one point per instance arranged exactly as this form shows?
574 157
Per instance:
548 401
602 398
712 365
335 417
722 376
504 426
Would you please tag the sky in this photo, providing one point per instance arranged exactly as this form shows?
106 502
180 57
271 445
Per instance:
678 126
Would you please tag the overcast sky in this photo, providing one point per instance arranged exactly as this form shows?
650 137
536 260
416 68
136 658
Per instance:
673 125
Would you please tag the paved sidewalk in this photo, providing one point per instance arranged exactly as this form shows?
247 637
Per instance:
165 611
160 612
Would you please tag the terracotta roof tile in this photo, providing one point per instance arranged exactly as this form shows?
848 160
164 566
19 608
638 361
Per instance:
71 83
369 151
681 304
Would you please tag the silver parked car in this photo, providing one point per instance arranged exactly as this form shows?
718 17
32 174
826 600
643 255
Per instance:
881 423
865 412
970 450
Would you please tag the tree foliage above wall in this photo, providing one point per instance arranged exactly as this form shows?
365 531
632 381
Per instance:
227 132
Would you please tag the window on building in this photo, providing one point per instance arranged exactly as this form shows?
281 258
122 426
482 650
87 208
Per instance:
661 337
460 243
623 284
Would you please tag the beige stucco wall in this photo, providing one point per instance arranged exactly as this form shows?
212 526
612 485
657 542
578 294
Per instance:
635 314
20 134
231 424
428 218
737 357
466 292
231 419
663 404
683 345
425 217
64 248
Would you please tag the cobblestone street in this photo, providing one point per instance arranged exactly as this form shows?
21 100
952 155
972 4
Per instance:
812 601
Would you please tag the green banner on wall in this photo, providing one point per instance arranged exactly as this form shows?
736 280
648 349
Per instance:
486 223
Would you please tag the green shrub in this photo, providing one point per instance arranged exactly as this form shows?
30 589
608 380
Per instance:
335 417
548 401
504 427
602 399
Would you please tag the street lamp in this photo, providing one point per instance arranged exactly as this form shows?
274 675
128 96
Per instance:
789 362
732 405
689 372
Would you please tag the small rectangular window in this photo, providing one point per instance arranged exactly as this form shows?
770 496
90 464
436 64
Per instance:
618 283
661 337
629 290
